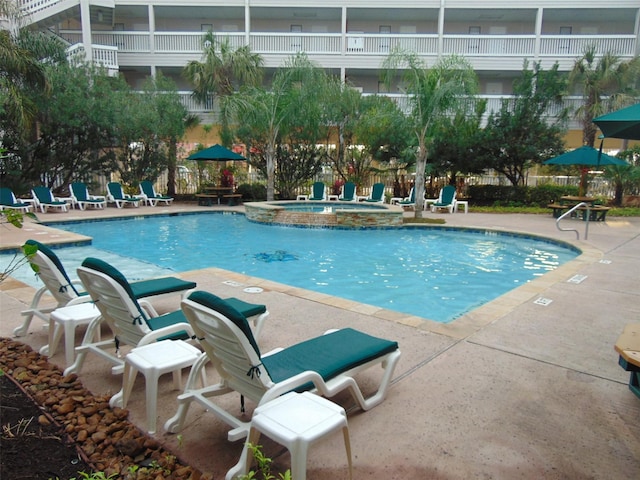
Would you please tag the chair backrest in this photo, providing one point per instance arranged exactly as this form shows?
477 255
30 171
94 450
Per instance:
78 190
43 194
377 191
112 294
447 194
52 273
348 191
226 338
7 197
115 190
147 189
319 190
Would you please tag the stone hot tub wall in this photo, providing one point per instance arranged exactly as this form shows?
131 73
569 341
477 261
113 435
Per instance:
265 212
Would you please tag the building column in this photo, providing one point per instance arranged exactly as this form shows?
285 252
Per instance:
85 19
152 29
247 22
536 48
441 28
637 32
343 28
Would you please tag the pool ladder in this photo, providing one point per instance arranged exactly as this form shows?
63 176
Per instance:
586 221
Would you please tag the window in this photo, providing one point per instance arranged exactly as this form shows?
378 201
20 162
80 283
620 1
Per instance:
206 27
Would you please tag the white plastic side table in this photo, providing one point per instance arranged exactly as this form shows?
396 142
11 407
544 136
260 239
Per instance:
294 420
66 319
154 360
464 203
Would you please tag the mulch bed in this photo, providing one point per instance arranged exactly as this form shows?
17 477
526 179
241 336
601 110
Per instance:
53 428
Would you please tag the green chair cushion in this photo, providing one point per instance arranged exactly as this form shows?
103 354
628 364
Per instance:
245 308
166 320
329 355
209 300
159 286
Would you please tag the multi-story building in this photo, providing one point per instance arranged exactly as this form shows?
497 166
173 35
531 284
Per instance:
349 38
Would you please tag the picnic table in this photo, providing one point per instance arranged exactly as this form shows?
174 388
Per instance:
597 213
217 193
628 346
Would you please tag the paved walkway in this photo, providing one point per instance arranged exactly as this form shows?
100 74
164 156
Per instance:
513 389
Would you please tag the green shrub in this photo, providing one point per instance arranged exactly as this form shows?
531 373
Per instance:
510 196
254 192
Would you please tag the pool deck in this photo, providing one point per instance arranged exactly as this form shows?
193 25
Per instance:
514 389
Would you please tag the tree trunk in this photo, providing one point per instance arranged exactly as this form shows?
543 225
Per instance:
421 165
271 173
171 168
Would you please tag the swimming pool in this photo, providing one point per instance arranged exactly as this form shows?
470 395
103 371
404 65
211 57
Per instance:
433 273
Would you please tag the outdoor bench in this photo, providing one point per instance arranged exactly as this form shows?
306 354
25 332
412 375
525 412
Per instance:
232 198
205 198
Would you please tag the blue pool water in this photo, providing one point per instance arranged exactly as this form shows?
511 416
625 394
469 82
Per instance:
433 273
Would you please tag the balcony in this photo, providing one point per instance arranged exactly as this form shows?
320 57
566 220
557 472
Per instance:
102 55
481 50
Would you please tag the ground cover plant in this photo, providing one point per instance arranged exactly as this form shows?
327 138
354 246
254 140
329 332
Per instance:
53 428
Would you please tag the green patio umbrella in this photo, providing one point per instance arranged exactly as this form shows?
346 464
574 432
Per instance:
216 153
624 123
585 157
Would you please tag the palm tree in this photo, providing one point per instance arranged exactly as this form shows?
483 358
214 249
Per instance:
434 93
607 83
223 69
267 114
21 69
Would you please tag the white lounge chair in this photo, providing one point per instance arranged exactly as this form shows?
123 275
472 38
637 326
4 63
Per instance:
80 196
67 292
8 200
132 321
116 195
409 201
149 195
348 192
446 199
376 195
318 192
325 364
44 199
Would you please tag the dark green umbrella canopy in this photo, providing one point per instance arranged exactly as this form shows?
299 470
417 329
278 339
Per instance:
216 153
624 123
586 156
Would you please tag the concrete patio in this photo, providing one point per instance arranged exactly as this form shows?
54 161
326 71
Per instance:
513 389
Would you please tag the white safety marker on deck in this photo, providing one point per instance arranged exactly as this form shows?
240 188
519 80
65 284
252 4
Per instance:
543 301
232 283
606 262
253 290
577 279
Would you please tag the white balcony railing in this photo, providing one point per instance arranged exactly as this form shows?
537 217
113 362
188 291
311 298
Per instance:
370 44
574 45
489 45
103 55
319 43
